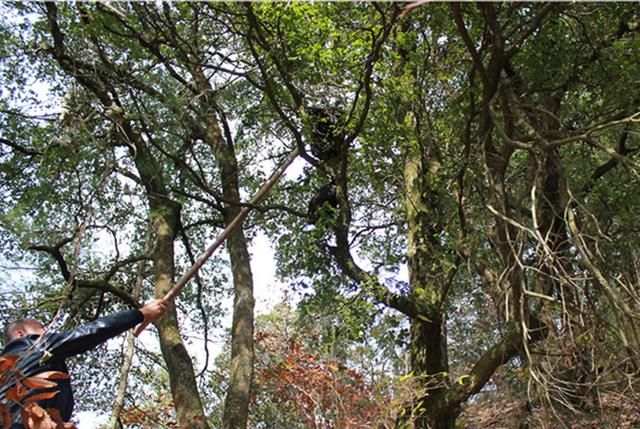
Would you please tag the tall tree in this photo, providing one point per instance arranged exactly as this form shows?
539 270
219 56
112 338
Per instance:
164 213
157 104
463 132
469 167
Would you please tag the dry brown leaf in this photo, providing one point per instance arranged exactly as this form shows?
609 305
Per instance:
16 392
7 361
35 417
5 416
41 396
56 375
39 383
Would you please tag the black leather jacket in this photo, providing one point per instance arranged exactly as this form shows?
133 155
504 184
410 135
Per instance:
47 353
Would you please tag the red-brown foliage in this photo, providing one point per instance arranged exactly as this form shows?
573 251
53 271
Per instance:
323 393
33 416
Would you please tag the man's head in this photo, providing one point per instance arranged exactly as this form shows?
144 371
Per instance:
21 328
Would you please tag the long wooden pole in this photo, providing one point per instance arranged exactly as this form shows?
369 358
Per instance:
244 212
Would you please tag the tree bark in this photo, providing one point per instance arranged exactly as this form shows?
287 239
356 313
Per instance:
236 405
428 351
429 360
165 215
427 275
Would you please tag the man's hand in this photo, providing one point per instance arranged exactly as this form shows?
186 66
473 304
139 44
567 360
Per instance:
153 310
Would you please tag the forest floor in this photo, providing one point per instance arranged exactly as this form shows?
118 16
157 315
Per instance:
612 412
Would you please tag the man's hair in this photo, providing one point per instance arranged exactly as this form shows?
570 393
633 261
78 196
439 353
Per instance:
20 324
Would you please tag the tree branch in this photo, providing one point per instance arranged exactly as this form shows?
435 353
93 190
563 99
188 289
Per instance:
532 26
366 281
610 164
123 263
55 252
462 29
510 345
100 284
23 150
105 286
365 83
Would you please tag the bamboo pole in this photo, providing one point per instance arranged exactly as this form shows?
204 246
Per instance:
244 212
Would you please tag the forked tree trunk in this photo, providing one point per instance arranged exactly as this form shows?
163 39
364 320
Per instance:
164 215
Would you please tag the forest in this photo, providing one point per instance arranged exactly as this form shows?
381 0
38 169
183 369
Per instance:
458 236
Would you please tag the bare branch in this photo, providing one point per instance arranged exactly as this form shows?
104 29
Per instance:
499 354
531 26
23 150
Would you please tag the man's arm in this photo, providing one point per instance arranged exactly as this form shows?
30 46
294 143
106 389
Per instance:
86 337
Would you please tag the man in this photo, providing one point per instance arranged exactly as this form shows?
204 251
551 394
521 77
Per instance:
43 353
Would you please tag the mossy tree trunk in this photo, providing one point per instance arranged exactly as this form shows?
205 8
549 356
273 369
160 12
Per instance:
236 405
427 278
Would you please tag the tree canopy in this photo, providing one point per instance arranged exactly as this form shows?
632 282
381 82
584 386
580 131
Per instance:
463 225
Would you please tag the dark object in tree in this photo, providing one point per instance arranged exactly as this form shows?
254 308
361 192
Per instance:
326 132
322 202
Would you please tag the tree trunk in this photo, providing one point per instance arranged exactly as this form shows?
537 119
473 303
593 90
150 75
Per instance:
428 350
429 360
236 406
164 214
